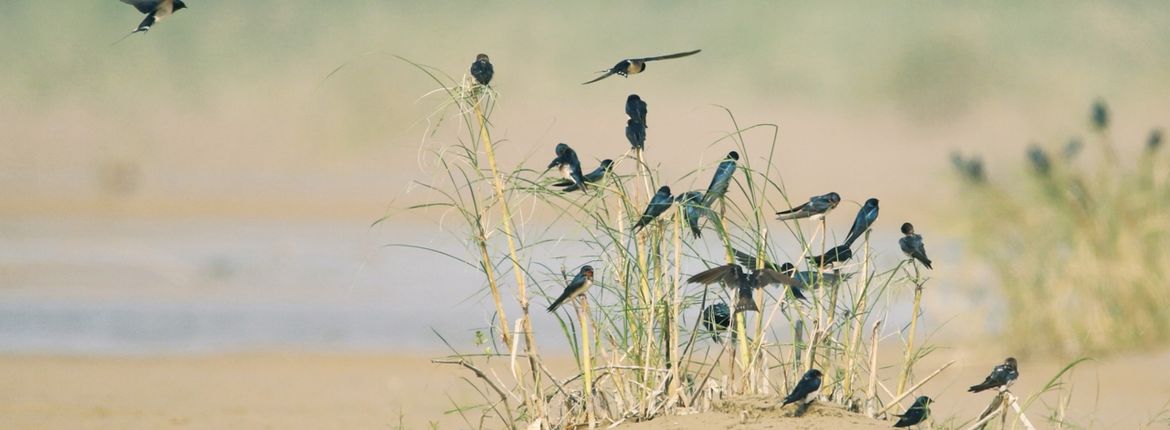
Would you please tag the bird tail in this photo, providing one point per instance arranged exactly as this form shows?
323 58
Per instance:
746 303
787 215
796 292
557 303
695 230
978 388
926 262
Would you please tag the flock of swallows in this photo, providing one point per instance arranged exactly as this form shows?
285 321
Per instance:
696 205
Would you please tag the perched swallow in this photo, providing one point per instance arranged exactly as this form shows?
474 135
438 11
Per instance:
840 254
596 175
658 204
1100 115
568 164
805 390
865 218
1003 375
482 69
1154 141
816 208
721 180
692 203
917 413
1039 159
734 276
634 66
911 244
970 169
155 10
636 108
636 134
576 287
716 319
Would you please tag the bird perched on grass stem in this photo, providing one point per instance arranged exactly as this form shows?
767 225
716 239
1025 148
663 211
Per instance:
568 185
816 207
917 413
722 179
692 204
911 244
1001 376
633 66
658 204
734 276
864 220
576 287
482 69
569 165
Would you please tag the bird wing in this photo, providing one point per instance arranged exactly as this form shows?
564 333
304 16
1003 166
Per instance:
144 6
794 211
607 74
669 56
725 274
768 277
748 260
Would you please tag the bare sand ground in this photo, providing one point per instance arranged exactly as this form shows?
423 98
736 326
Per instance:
355 391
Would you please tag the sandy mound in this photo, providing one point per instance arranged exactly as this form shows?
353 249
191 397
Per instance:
759 412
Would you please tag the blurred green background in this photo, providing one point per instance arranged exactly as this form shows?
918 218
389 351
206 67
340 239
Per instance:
222 109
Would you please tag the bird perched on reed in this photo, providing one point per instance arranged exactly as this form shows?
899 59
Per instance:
658 204
482 69
716 319
911 244
745 282
569 165
864 220
816 208
568 185
576 287
1001 376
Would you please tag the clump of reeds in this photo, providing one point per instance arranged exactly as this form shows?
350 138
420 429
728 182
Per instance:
1079 241
640 347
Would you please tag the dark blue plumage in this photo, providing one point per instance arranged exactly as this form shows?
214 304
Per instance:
722 179
865 218
658 204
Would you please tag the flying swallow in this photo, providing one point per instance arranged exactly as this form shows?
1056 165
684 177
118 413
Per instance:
734 276
865 218
816 208
917 413
636 108
155 10
692 203
658 204
576 287
482 69
805 390
748 260
568 164
721 180
911 244
716 319
787 269
1003 375
839 254
634 66
596 175
636 134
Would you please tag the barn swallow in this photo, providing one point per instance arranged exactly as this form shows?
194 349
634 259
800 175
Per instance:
865 218
816 208
911 244
636 134
576 287
716 319
732 275
1002 376
568 164
634 66
636 108
839 254
748 260
1039 159
692 203
155 10
596 175
1100 115
805 390
482 69
721 180
1154 141
970 169
658 204
917 413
